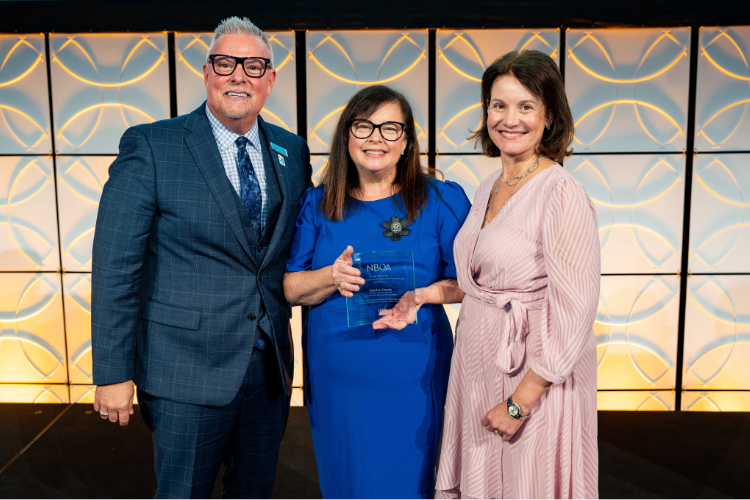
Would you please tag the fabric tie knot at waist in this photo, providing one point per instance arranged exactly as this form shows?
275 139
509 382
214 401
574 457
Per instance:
515 327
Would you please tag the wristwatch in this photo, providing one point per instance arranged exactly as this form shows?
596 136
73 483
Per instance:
515 411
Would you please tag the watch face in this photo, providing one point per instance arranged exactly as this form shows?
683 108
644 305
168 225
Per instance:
513 410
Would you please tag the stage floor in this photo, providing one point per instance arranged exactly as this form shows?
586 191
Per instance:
59 451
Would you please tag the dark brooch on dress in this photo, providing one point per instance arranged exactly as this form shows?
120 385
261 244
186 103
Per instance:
396 228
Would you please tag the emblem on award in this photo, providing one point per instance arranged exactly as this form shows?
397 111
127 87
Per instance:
389 283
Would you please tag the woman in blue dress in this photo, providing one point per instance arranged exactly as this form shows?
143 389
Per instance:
376 393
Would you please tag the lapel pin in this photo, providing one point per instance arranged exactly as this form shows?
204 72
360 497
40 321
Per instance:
281 160
279 150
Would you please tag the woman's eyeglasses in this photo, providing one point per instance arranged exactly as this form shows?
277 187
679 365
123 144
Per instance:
390 131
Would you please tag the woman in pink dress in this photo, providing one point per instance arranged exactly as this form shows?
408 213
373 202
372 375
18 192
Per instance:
520 417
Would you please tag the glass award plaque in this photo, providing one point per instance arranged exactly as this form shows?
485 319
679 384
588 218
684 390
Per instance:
389 283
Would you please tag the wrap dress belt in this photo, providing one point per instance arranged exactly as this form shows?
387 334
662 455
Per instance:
515 322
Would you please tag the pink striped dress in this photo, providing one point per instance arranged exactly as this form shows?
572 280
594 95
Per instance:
531 278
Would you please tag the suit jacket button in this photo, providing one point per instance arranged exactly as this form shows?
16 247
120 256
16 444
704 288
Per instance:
251 317
260 277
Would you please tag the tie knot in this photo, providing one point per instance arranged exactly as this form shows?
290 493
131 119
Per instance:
241 141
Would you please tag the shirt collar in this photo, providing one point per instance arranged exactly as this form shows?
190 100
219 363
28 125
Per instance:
225 138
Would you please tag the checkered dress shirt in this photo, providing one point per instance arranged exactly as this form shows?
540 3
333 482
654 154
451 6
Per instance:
225 139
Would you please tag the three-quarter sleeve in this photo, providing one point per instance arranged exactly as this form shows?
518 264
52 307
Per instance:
573 262
305 235
454 208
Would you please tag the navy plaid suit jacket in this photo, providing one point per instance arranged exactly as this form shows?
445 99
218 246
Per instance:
175 283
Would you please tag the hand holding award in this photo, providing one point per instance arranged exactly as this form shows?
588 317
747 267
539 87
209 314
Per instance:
388 285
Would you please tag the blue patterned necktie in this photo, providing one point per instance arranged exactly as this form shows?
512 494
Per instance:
250 188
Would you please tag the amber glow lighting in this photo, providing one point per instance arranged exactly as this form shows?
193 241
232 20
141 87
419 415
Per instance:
714 193
643 180
635 104
14 225
633 227
704 52
591 37
100 107
19 112
23 75
159 60
628 93
457 37
422 55
455 117
724 230
730 345
722 110
632 346
460 164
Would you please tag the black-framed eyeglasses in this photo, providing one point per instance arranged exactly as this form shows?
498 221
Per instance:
254 67
390 131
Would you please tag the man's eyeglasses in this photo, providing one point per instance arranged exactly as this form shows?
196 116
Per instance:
254 67
362 129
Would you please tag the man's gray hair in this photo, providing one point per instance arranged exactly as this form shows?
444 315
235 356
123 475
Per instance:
239 26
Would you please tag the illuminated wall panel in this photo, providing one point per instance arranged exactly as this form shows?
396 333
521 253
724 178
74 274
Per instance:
296 322
32 335
467 170
281 106
103 84
635 400
340 63
79 186
717 333
723 90
83 394
639 202
636 332
77 288
720 213
28 219
318 163
716 401
34 393
298 397
462 57
24 96
627 88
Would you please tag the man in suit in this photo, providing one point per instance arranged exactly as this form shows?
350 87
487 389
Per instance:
192 237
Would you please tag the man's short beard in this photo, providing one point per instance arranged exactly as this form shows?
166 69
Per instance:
233 115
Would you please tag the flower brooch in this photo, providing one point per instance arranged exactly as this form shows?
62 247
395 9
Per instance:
396 228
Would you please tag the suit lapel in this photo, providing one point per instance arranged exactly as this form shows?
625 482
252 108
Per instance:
281 176
202 146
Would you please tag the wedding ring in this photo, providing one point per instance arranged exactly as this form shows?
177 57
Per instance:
103 415
339 287
496 433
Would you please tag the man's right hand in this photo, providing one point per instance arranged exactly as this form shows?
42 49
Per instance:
115 401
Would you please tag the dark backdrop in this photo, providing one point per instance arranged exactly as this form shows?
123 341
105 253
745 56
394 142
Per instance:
192 15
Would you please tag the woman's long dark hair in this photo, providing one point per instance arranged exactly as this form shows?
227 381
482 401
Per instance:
341 178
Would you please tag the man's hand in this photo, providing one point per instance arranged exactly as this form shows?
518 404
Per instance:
115 401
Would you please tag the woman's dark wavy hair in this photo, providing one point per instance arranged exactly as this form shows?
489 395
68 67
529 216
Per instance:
341 178
540 75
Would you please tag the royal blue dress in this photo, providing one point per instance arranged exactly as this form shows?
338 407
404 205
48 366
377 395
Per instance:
376 397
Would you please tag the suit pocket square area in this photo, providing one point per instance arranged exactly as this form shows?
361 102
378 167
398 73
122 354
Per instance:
165 314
